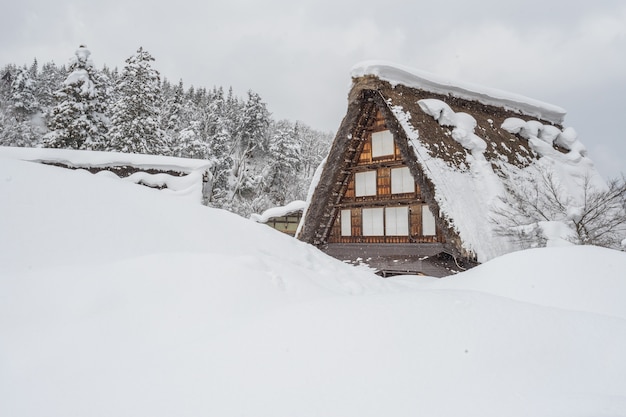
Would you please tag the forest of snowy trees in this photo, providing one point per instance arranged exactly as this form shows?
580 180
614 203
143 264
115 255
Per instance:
258 162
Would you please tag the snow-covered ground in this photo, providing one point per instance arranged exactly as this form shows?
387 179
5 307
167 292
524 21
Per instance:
118 300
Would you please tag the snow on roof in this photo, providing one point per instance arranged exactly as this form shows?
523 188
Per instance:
97 159
397 74
292 207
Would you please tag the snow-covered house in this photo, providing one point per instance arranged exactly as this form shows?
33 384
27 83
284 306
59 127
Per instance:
418 164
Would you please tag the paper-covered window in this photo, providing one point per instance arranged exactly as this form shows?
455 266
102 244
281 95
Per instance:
402 181
365 183
428 222
373 224
397 221
382 144
346 222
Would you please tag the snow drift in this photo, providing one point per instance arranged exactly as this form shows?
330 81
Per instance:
118 300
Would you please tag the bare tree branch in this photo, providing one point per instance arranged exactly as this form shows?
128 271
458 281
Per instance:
597 217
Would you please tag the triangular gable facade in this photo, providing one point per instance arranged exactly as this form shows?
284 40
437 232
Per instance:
415 166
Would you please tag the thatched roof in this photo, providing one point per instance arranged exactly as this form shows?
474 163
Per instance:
464 144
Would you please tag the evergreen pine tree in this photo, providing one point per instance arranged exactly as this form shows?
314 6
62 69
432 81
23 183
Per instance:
135 118
22 100
255 120
314 146
78 120
34 69
49 80
6 78
220 146
256 163
284 151
173 110
250 142
16 123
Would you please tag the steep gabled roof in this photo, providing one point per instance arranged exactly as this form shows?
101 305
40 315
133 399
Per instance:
464 145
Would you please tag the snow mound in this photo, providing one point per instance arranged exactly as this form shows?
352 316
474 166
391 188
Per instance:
120 300
84 221
537 134
578 278
463 123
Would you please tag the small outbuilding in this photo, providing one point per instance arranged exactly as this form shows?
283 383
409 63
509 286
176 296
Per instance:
284 218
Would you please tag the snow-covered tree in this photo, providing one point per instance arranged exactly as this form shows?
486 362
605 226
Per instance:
173 110
533 214
49 80
34 68
222 163
21 119
284 163
314 146
183 123
250 140
254 165
251 132
113 76
6 78
135 118
22 100
191 144
78 120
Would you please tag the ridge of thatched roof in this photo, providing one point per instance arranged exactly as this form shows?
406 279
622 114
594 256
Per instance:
396 74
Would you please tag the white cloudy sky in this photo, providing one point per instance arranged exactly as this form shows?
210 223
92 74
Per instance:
298 54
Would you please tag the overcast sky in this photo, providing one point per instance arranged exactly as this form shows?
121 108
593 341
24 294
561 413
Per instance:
298 54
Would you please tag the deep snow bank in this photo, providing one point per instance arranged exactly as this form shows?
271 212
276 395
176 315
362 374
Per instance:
580 278
117 300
